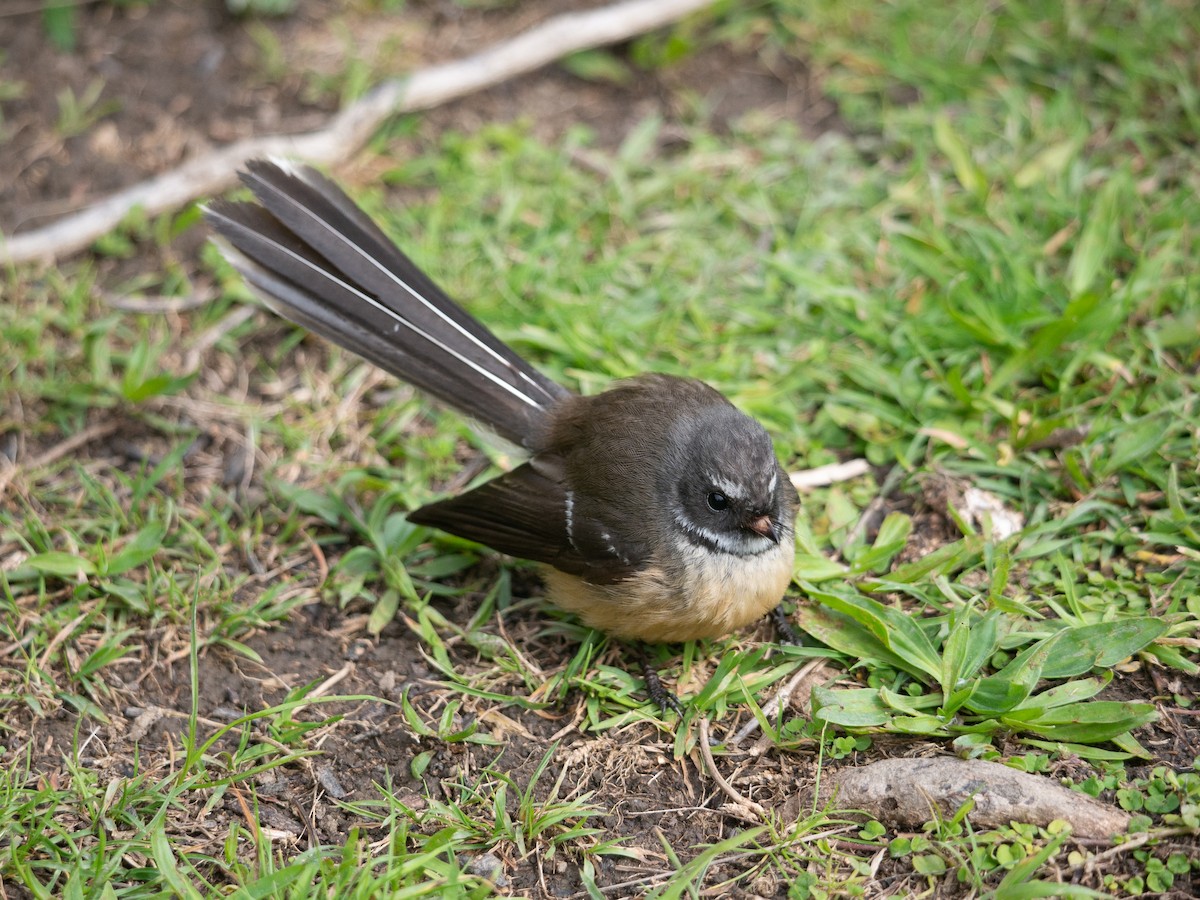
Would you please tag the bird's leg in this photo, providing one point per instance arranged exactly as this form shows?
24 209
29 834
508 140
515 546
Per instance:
784 628
654 686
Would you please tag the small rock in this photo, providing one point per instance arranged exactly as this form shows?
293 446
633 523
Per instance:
489 866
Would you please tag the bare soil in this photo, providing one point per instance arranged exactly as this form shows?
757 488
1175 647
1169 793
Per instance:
178 78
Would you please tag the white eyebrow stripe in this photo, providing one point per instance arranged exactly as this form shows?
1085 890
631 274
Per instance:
491 376
727 487
403 284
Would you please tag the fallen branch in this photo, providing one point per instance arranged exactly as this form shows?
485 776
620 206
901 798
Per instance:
822 476
353 126
906 793
744 808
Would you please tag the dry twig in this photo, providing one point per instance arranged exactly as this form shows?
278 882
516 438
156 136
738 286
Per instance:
353 126
778 704
833 473
748 808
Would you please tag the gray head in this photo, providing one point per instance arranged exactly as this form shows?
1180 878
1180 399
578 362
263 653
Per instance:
727 490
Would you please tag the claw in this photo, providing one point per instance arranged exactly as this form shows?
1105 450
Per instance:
659 694
784 627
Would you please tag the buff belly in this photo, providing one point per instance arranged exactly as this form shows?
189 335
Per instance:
708 596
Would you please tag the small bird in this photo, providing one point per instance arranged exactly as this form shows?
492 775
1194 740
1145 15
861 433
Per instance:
660 510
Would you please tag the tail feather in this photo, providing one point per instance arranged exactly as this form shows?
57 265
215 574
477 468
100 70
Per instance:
318 260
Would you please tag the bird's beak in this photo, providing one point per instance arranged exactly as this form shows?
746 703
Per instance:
765 526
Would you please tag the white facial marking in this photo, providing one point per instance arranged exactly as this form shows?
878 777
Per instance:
726 487
737 543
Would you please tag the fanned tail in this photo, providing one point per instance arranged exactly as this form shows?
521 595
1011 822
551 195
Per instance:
318 260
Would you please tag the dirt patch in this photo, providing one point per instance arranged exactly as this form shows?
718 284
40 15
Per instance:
145 88
148 87
638 790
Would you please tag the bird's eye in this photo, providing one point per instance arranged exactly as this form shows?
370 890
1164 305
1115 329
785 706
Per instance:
717 501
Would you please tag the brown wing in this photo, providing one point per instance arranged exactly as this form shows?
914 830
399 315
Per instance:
528 514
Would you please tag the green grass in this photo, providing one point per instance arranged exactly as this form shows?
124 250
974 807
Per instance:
987 284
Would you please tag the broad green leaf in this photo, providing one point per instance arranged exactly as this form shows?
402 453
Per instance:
61 564
897 630
956 700
1006 689
917 725
841 511
314 503
1104 644
845 635
1173 657
1086 751
903 703
954 651
970 746
1130 745
360 560
892 537
850 708
400 536
929 864
383 611
139 551
156 385
436 567
1065 694
396 577
817 568
942 561
970 644
1088 723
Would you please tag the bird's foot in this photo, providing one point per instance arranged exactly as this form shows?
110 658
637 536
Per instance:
785 629
658 693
